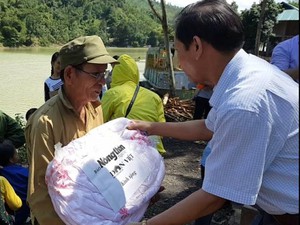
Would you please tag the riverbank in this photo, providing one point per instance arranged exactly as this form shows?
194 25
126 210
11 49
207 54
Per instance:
24 70
137 53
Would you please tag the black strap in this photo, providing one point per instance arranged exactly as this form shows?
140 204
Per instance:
132 100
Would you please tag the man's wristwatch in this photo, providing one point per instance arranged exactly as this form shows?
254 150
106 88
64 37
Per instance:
144 222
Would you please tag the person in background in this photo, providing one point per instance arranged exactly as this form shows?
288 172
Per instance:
226 212
202 108
11 131
17 176
70 114
103 90
53 83
29 113
201 99
9 197
285 56
116 57
108 78
147 105
252 127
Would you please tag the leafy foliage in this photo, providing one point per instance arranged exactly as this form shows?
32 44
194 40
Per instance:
294 3
118 22
22 152
250 20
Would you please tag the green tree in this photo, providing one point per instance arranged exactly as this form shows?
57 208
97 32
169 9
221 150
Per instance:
22 152
11 36
41 22
235 7
12 31
251 18
294 3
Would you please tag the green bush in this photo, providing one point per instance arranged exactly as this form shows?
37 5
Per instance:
22 152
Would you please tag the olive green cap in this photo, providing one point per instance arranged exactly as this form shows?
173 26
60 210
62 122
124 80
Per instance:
86 49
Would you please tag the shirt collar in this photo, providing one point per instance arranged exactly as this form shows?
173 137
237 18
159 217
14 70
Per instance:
91 106
228 76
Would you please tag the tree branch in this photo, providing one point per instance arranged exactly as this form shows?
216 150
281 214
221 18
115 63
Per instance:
154 11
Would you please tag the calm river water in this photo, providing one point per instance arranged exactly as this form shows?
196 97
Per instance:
23 72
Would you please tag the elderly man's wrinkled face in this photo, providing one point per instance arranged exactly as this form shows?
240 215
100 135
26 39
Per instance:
89 81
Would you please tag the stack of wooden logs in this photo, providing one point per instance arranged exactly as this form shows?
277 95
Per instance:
178 110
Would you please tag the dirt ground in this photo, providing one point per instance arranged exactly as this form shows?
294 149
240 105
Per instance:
182 177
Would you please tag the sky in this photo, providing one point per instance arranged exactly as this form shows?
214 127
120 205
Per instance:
242 4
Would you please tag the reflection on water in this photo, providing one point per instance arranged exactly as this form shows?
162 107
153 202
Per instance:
23 72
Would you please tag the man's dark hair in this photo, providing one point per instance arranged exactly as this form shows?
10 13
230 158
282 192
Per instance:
62 72
7 152
214 22
53 59
30 112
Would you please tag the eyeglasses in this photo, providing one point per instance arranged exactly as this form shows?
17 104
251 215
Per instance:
97 75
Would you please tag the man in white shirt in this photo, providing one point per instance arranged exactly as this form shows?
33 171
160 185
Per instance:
253 125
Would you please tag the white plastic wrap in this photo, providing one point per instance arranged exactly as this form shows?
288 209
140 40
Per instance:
106 177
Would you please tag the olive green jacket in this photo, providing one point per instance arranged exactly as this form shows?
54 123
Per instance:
11 130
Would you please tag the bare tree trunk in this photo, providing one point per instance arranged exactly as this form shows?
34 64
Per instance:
164 23
259 26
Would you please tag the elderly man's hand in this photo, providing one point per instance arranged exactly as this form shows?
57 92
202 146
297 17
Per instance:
140 125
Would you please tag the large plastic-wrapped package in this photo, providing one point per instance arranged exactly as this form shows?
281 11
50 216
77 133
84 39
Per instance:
106 177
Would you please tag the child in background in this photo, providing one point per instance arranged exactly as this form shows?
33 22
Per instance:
17 176
201 99
10 198
29 113
53 83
